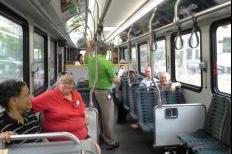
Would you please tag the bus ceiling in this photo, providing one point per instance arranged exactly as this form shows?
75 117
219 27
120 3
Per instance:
77 20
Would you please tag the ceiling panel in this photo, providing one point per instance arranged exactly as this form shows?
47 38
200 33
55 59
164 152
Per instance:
120 11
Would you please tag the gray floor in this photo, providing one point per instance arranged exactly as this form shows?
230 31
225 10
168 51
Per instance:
132 141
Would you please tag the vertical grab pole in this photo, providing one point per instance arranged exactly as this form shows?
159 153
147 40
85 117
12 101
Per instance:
176 17
129 52
151 53
151 41
95 56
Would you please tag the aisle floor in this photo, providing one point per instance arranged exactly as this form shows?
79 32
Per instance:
132 141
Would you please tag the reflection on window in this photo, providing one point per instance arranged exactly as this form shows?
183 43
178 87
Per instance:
187 63
224 58
52 62
109 55
160 64
126 55
11 53
134 58
38 61
144 62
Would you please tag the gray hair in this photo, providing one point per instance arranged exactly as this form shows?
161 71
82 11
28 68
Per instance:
65 77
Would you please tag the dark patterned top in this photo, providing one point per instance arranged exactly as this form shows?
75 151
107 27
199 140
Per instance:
30 126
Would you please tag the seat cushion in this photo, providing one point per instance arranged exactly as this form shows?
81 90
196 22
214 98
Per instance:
198 138
214 148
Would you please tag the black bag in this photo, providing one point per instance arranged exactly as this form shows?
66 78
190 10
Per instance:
189 7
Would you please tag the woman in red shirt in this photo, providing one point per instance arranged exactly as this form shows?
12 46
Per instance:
63 108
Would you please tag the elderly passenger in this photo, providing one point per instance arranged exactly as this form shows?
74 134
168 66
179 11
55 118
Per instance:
147 81
15 99
63 108
166 84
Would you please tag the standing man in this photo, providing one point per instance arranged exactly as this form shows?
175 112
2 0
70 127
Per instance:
106 78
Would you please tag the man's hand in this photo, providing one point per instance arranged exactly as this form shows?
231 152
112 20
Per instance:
116 80
86 118
5 136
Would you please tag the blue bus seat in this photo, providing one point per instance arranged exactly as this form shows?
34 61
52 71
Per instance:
125 92
133 99
147 100
215 126
169 97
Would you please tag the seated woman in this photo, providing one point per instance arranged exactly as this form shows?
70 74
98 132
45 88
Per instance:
63 108
166 84
15 99
79 60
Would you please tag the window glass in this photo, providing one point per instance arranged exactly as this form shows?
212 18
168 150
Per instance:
134 58
224 58
160 61
144 57
52 70
11 53
109 55
187 63
126 55
38 61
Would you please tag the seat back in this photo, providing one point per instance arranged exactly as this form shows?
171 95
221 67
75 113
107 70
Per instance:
125 89
133 99
169 97
146 101
217 116
226 135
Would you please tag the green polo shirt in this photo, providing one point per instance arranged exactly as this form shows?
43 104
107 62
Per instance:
105 72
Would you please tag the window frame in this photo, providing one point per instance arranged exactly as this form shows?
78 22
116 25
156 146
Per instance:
163 38
14 17
173 62
213 56
44 87
52 82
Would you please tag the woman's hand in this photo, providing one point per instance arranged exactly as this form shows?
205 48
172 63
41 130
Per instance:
5 136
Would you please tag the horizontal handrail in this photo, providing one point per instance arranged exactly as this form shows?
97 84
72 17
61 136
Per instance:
70 136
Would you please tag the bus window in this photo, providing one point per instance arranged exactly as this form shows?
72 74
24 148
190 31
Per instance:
144 62
52 61
11 53
126 56
134 58
187 63
109 55
38 61
160 61
223 53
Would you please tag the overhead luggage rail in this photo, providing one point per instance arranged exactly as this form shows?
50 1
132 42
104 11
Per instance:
173 25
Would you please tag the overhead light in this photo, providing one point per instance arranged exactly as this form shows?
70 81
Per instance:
91 8
109 29
143 11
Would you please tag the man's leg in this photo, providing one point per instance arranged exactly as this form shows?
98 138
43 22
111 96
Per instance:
107 115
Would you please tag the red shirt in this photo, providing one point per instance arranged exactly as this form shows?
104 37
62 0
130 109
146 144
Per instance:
61 115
